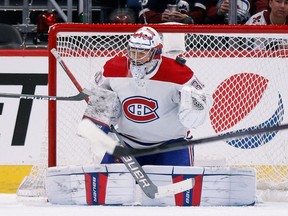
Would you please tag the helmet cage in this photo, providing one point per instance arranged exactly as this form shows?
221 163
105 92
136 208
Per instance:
146 55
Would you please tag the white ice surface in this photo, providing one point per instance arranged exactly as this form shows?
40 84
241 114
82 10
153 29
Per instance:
9 206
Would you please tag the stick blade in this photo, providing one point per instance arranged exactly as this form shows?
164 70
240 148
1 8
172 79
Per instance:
95 135
172 189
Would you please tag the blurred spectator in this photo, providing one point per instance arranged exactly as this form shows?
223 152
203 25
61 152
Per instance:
217 10
135 6
122 15
10 37
276 15
188 12
44 21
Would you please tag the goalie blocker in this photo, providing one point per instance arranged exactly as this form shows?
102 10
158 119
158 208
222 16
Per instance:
112 184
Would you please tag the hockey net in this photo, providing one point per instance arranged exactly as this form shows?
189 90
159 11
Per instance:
244 68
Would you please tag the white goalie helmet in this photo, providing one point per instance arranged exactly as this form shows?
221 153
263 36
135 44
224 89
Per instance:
144 52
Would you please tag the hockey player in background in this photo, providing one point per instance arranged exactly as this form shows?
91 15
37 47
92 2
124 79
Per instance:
151 99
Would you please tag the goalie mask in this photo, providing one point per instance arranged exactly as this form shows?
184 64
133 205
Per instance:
144 52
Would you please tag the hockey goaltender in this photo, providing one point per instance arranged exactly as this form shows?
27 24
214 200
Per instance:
151 100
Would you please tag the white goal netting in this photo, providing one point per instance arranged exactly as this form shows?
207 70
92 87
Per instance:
245 72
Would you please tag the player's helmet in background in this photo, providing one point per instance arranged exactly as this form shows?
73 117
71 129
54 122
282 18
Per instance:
144 52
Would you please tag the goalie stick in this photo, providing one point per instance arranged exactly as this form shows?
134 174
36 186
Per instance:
155 191
121 151
95 135
83 95
66 69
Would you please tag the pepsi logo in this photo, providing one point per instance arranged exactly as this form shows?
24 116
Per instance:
236 98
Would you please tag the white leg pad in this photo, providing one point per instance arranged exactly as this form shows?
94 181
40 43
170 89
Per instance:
213 186
112 184
228 187
93 185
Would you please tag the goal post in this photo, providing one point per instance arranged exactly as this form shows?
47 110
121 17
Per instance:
244 69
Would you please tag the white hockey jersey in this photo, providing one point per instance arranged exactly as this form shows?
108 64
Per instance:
261 18
150 108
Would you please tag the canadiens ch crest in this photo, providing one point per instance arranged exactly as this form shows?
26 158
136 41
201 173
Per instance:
140 109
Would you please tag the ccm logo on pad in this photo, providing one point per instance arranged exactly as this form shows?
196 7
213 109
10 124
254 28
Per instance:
140 109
